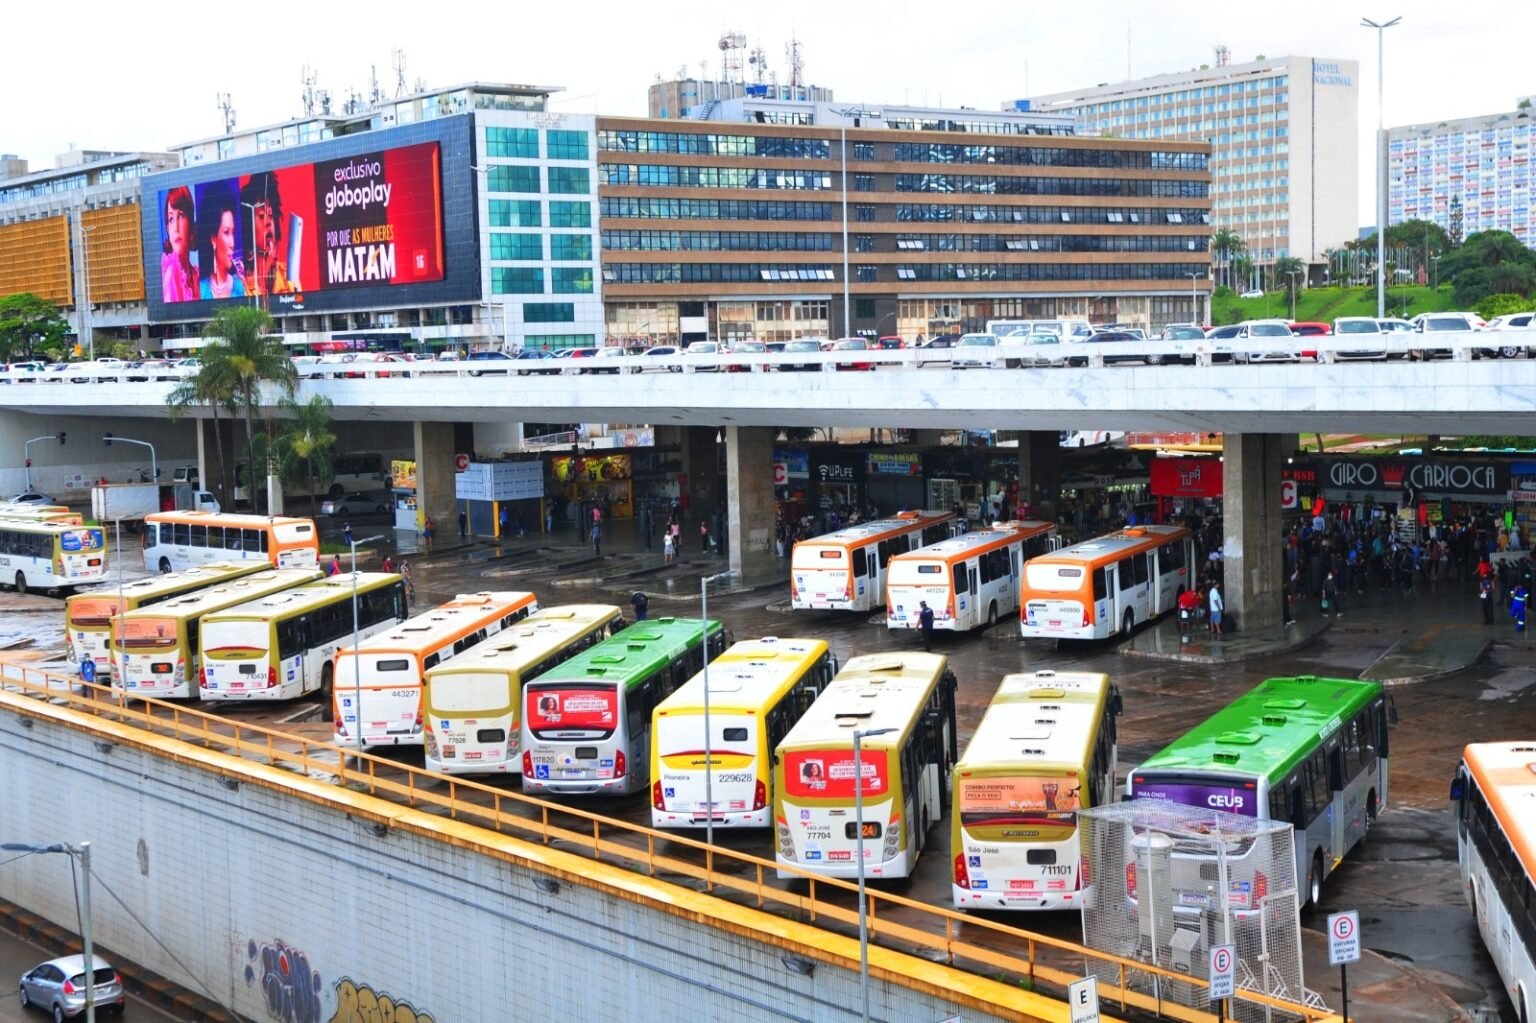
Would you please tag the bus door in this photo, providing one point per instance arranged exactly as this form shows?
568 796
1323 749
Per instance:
1350 782
1135 589
861 574
963 589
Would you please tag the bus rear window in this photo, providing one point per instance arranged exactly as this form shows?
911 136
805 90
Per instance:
1055 578
828 773
393 664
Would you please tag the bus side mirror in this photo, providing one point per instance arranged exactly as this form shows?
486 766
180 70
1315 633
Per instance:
1456 790
1116 704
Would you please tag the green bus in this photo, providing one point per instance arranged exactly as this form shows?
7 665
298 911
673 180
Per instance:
586 722
1307 751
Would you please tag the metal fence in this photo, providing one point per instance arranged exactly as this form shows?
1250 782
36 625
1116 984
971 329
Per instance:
1171 881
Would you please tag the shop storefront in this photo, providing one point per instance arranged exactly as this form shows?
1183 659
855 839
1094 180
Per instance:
1185 486
838 478
894 480
402 474
1413 492
1521 511
791 483
594 479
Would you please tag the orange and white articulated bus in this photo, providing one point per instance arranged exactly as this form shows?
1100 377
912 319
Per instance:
845 570
378 684
967 580
1110 584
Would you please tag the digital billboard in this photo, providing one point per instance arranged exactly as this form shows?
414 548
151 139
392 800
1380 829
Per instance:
379 211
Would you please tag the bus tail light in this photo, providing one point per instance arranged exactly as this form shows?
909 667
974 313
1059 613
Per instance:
1087 618
1260 888
527 765
619 763
1084 872
202 676
1130 879
271 677
656 802
962 876
760 796
429 742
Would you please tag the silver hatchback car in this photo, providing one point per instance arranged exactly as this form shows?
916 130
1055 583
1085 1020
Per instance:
58 987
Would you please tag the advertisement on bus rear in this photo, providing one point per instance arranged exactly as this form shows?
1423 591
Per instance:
593 708
339 224
1214 797
1002 809
829 774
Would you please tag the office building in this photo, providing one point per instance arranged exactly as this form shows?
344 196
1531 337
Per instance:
1484 162
1284 136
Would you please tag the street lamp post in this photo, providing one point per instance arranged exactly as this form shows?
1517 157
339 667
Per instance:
709 773
1194 298
83 850
842 130
859 735
1381 164
154 466
1434 273
357 662
1293 274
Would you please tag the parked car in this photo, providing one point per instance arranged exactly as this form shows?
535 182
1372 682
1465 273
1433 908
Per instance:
30 497
1254 293
536 361
747 348
1178 332
1110 337
890 342
801 346
58 987
776 346
1367 330
1440 323
1266 330
852 344
23 372
1028 351
1518 323
490 362
975 351
706 349
608 360
355 504
657 351
936 349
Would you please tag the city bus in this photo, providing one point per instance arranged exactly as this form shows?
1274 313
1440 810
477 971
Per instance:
175 540
1495 797
471 703
350 474
966 580
88 614
586 722
1044 750
55 513
845 570
909 698
758 690
281 646
156 651
378 690
1101 587
1311 752
50 556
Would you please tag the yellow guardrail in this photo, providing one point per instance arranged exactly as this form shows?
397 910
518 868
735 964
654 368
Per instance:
942 935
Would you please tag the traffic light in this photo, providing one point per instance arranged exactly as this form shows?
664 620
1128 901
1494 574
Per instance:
107 439
62 435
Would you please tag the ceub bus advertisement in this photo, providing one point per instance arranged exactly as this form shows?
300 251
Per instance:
1003 808
369 220
1230 798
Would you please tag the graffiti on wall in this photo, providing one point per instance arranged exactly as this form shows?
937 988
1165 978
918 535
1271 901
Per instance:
290 987
360 1003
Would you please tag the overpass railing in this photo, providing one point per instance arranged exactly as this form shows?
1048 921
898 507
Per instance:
939 934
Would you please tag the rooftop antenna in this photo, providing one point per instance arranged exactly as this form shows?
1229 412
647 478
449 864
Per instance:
375 94
397 58
796 55
1223 55
732 45
226 106
307 75
324 96
759 61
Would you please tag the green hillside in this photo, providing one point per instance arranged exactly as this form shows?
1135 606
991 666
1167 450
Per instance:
1324 304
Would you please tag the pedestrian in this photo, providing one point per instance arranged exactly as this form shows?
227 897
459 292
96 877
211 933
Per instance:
505 519
1517 600
1331 603
597 540
677 537
597 515
346 533
549 518
1216 606
1289 595
1486 596
387 565
667 550
405 581
463 525
925 624
427 529
1189 604
703 536
335 568
642 605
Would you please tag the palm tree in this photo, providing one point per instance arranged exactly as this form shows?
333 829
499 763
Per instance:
1286 270
309 436
208 387
242 354
1226 244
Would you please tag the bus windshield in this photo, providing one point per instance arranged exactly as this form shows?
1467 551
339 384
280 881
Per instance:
471 692
147 633
1011 808
829 774
1054 577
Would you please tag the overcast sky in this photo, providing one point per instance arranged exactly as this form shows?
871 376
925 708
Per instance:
109 75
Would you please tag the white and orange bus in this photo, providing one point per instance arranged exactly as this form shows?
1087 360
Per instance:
967 580
175 540
1110 584
845 570
378 683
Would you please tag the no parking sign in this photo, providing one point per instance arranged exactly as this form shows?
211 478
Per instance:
1343 938
1223 971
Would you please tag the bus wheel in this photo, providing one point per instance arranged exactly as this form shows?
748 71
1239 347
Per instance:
1127 623
992 615
21 583
165 566
327 703
1315 880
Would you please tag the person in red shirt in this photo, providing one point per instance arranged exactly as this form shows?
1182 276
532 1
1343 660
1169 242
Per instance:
1189 605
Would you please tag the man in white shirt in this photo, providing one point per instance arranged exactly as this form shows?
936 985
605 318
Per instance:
1216 606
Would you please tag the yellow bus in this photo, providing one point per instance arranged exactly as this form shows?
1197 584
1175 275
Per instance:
1045 749
967 581
471 703
845 570
281 646
156 651
175 540
56 513
904 704
50 556
88 614
378 682
758 690
1110 584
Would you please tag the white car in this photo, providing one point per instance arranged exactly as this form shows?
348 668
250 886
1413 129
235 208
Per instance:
1365 329
707 349
975 350
608 360
1255 293
355 504
1028 351
1521 325
1265 330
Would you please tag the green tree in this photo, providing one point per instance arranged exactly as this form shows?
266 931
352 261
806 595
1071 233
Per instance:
31 328
309 438
1226 244
1498 305
244 358
1290 273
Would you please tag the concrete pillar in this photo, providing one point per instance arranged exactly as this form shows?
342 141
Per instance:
1040 472
1254 569
498 438
701 466
749 487
434 477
